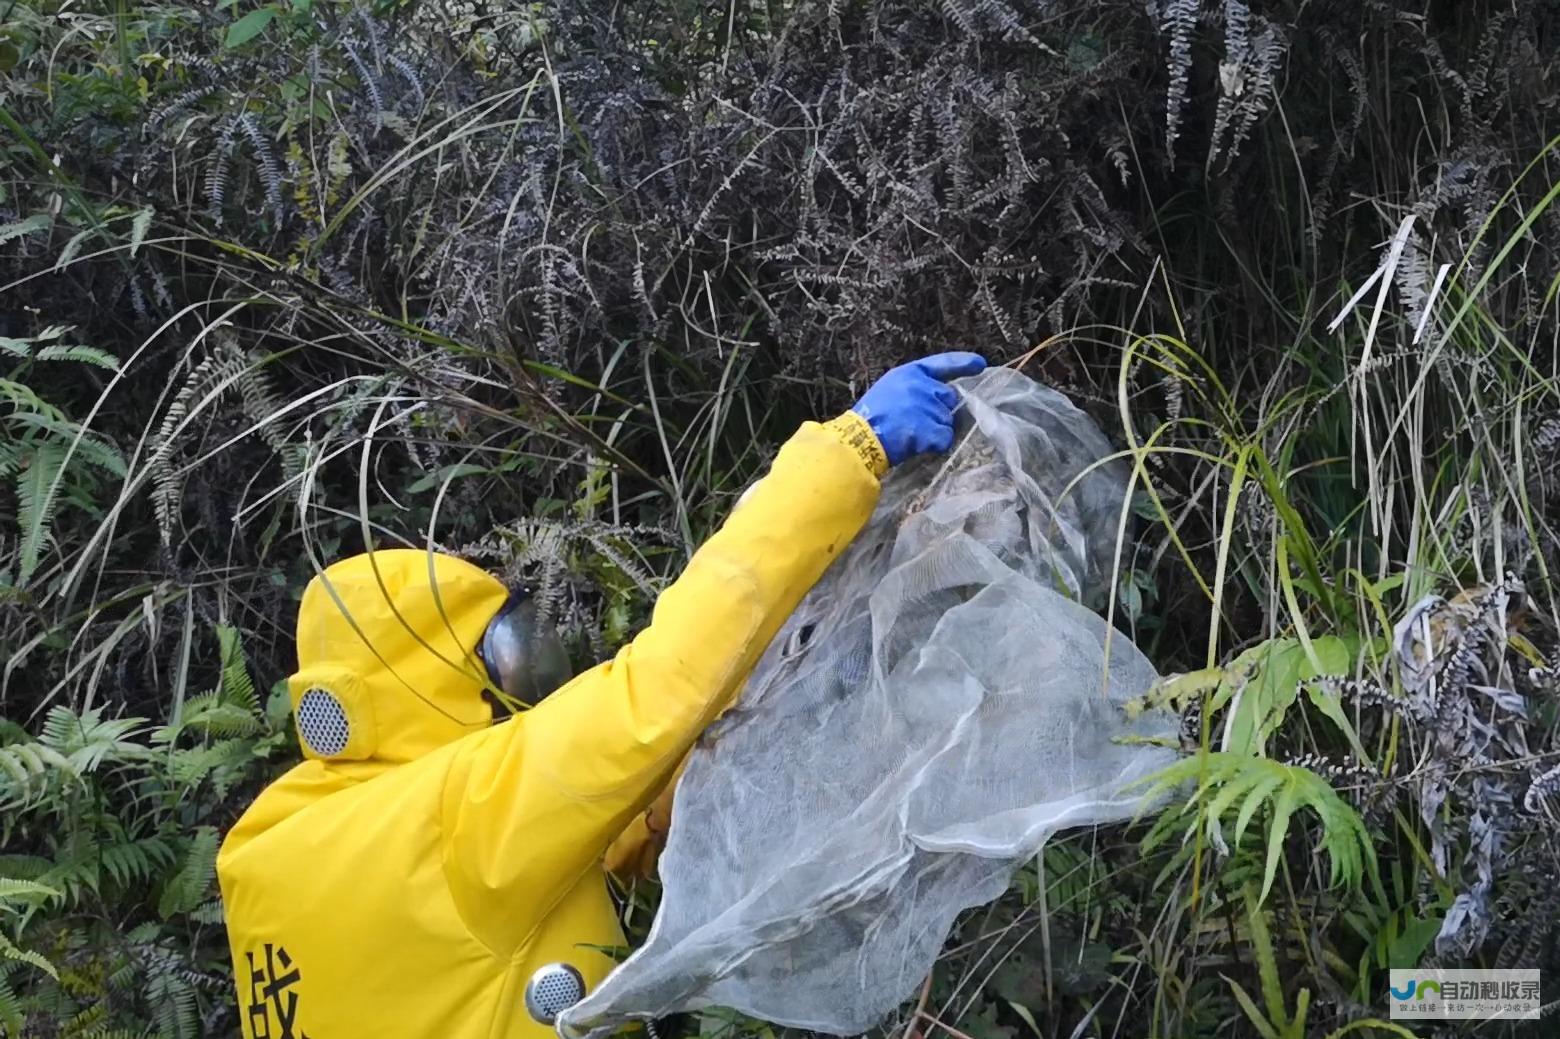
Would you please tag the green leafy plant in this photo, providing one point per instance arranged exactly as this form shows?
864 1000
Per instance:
18 897
1273 1020
107 886
1225 782
48 457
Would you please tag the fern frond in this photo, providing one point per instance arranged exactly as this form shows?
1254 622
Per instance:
13 890
144 934
366 77
29 225
24 867
409 74
262 407
87 740
187 888
237 687
217 173
26 400
54 428
223 762
138 862
642 578
139 225
175 1000
1220 781
12 1019
1179 19
1248 81
209 379
270 169
210 913
124 975
9 950
85 354
303 175
179 104
960 16
75 871
86 1023
375 40
73 248
233 709
36 502
338 164
208 715
26 769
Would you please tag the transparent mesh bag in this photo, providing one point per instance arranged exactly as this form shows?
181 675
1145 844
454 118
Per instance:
942 702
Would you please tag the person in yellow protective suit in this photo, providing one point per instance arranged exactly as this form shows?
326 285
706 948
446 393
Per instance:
426 872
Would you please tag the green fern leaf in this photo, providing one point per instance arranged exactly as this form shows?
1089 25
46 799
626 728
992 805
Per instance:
219 761
30 225
73 248
86 1023
35 504
76 870
26 770
12 889
61 724
174 999
220 719
12 1019
1220 780
9 950
237 687
1259 793
26 399
11 458
24 867
210 913
85 354
1283 808
187 888
144 934
135 863
1254 1015
206 383
87 741
1267 962
138 228
60 431
124 976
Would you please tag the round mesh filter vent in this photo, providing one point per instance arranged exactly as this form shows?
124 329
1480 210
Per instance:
322 723
552 990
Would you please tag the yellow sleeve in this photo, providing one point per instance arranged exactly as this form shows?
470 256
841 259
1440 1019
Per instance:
635 851
531 805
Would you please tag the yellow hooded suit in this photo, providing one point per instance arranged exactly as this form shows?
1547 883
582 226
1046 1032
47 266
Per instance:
422 867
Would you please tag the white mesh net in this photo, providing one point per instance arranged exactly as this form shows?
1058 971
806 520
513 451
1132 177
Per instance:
937 707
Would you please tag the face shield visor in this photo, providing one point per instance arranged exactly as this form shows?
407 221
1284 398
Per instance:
525 659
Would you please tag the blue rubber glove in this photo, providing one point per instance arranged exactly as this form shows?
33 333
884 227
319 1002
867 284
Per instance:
911 410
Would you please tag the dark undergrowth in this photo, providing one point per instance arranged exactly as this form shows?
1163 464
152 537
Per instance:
547 284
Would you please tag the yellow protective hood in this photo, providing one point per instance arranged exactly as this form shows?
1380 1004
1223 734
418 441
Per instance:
387 665
467 875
